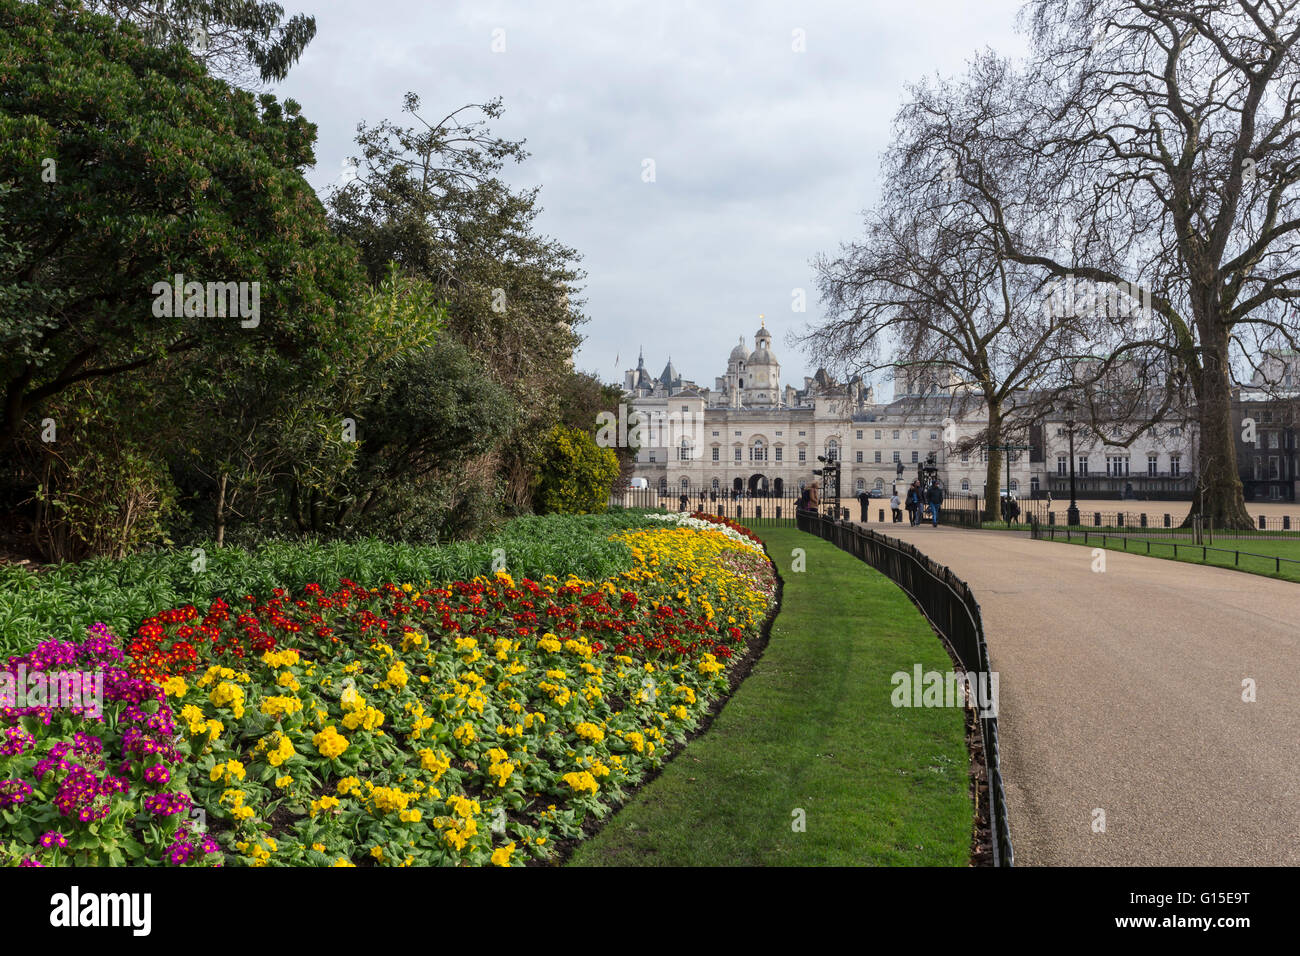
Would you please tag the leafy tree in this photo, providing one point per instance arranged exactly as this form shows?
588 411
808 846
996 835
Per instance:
429 197
241 41
575 474
171 172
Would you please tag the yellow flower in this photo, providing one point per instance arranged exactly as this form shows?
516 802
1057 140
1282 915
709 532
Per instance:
330 743
501 855
590 732
343 861
175 687
582 782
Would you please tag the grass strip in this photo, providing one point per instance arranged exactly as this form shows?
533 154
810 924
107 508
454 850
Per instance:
813 728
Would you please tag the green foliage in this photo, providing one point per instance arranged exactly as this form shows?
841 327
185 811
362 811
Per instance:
96 491
239 40
61 601
576 474
125 165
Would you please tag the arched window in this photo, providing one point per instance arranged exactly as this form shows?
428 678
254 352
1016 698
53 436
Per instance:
663 486
880 484
758 452
686 484
1015 485
965 484
832 450
862 484
716 484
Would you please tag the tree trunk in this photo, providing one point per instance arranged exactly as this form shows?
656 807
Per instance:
221 511
1218 495
992 503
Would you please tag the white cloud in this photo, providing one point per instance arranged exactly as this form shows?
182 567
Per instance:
765 157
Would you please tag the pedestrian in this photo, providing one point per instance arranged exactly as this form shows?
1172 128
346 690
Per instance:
864 501
895 508
913 502
808 500
1013 511
935 497
682 502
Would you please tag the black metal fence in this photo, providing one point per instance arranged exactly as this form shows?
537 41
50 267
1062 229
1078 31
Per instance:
947 602
1164 524
1191 548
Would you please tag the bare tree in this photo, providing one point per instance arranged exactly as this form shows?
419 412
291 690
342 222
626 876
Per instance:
1150 145
926 292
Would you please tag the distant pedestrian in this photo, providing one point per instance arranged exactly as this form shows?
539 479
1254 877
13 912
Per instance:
683 502
913 502
935 496
895 508
864 502
808 500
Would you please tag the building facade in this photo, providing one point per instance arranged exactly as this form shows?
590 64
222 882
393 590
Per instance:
754 435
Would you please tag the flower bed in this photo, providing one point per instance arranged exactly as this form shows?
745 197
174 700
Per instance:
481 722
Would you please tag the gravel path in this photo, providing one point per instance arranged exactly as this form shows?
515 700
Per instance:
1121 691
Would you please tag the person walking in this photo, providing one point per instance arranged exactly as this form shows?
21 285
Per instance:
913 502
809 501
935 497
864 502
895 507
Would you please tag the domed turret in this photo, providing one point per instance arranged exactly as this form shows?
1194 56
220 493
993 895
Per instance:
739 353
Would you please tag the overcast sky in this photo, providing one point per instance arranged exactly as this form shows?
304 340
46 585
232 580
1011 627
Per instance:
763 156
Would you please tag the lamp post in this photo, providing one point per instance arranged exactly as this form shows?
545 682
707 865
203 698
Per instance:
1072 514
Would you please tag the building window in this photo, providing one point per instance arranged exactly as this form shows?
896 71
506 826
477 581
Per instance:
965 458
859 459
1153 465
859 435
686 408
803 455
801 434
1175 465
896 458
1175 432
1083 465
716 484
877 456
737 453
895 434
878 433
779 450
832 450
915 435
965 484
715 434
686 484
652 457
1117 466
880 484
861 484
934 436
1015 485
1061 464
717 453
914 458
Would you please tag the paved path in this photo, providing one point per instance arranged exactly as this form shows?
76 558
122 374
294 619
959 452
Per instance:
1122 691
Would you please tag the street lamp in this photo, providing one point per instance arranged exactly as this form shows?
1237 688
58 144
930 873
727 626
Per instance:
1072 514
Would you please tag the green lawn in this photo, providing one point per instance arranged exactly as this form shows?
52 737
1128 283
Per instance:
1238 554
813 729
